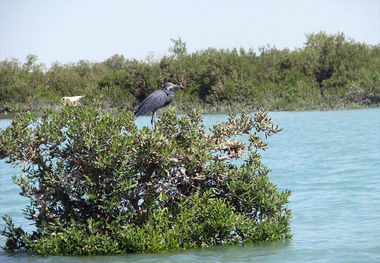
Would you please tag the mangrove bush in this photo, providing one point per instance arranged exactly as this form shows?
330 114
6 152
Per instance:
329 71
99 185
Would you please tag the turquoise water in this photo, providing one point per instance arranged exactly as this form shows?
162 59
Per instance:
331 163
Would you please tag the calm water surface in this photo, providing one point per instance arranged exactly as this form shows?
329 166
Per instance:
331 163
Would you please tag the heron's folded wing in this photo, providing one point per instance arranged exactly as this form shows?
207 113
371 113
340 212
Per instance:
152 103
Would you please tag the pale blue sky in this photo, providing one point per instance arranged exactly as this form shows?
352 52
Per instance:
67 31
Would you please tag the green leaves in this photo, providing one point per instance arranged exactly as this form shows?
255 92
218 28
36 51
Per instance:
15 236
99 185
324 73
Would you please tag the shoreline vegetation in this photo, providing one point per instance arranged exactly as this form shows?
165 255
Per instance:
328 72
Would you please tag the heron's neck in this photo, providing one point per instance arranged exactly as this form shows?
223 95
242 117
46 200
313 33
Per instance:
168 91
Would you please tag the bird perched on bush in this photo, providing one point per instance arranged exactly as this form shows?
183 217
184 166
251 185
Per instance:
156 100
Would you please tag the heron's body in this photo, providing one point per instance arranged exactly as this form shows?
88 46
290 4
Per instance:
156 100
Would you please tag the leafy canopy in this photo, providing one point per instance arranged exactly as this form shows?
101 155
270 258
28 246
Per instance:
329 71
99 185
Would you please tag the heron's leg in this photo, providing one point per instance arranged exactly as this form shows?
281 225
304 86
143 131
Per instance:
153 121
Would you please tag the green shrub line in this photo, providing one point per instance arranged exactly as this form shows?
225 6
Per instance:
328 72
99 185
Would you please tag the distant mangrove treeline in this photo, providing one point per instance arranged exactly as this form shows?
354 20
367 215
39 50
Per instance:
330 71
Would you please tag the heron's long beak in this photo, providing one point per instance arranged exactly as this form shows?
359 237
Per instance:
179 87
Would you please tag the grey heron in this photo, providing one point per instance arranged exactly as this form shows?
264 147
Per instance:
156 100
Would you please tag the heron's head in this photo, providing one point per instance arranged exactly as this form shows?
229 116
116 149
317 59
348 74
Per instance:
169 86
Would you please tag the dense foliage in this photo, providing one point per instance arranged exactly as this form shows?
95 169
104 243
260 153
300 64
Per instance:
100 185
330 71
